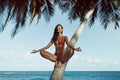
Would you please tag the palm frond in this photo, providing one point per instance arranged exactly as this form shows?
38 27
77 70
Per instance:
80 9
76 11
116 25
108 13
48 10
116 4
19 14
3 4
35 8
7 9
15 30
93 17
24 13
55 1
73 14
65 5
39 16
8 16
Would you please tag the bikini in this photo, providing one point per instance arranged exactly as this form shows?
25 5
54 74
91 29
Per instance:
61 42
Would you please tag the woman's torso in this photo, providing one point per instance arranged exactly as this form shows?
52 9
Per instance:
59 44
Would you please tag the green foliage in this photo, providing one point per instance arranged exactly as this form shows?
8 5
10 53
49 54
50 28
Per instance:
18 10
108 11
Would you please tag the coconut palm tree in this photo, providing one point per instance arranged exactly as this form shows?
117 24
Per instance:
108 11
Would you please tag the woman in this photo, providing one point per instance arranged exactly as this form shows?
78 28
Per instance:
61 55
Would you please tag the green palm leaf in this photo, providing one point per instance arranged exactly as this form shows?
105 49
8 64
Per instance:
108 13
48 10
80 8
35 8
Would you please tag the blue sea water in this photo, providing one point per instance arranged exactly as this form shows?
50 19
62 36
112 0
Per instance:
69 75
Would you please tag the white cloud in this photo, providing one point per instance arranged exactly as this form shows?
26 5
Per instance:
35 61
17 60
97 60
4 55
91 60
28 58
24 61
82 59
29 61
116 63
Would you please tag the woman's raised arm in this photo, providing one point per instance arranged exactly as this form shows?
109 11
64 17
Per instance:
70 46
46 47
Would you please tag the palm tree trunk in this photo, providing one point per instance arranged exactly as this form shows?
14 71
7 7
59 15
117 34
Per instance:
58 73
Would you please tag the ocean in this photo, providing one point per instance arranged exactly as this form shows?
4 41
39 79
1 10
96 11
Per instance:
69 75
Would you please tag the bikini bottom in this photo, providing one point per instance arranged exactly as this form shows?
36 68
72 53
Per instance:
58 55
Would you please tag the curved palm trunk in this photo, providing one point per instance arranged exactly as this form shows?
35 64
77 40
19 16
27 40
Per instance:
58 73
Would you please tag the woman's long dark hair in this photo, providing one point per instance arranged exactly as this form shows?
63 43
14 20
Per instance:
55 34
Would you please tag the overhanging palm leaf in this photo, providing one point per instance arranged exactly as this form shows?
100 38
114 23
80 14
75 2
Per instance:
19 14
17 10
3 4
80 9
65 5
48 10
35 9
93 17
109 13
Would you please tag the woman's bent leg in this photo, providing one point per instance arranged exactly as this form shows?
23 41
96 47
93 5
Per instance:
67 55
48 55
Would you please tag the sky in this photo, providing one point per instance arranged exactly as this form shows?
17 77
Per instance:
100 48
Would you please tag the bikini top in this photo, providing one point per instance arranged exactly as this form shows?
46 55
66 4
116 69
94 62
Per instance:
61 41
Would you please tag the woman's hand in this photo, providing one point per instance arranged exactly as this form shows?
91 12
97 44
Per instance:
34 51
78 49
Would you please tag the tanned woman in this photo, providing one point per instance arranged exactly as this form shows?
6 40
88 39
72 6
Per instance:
61 55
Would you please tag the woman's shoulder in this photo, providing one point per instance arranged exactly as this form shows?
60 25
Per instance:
65 37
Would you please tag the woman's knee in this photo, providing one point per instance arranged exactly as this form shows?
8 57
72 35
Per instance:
67 55
42 52
70 51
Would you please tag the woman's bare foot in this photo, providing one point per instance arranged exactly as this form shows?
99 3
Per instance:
59 64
